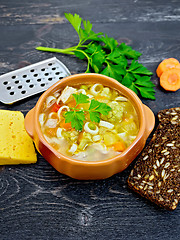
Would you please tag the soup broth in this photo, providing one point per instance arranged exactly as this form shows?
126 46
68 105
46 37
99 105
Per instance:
97 140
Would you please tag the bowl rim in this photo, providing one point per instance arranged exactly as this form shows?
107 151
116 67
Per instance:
130 94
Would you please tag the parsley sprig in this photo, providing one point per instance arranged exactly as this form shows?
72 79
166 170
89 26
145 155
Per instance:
77 117
105 56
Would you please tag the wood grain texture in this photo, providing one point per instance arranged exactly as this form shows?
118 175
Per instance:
37 202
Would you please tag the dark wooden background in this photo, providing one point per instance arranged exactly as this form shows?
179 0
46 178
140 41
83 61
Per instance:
36 202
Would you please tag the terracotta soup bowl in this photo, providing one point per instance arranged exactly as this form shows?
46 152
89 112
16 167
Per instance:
86 170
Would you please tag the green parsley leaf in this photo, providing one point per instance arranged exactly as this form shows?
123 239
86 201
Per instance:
80 98
97 106
74 20
76 118
104 55
128 52
128 79
78 53
87 26
97 60
144 81
117 58
109 43
146 92
133 88
114 70
141 86
138 68
94 116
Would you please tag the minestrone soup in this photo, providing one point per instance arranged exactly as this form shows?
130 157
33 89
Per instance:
89 122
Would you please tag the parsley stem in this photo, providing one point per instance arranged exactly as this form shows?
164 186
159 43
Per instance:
58 50
83 52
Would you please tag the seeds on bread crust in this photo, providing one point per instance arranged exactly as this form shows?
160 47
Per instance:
159 163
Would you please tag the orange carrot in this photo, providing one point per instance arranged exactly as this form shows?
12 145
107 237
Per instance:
55 107
80 137
170 80
99 97
51 131
167 64
119 146
65 125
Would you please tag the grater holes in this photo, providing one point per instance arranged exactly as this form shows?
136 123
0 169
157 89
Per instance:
54 69
16 82
11 93
60 77
8 88
5 83
28 80
42 84
32 70
20 86
50 64
46 74
57 73
31 86
43 69
49 79
23 92
13 77
24 76
35 75
39 80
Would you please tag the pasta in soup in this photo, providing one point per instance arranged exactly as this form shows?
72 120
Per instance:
89 122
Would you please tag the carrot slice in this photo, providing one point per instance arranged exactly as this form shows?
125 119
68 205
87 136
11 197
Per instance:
55 107
170 80
167 64
51 132
119 146
65 125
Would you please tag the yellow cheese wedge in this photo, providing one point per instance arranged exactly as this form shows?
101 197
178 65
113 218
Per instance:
16 147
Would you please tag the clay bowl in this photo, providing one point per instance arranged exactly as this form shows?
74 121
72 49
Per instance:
85 170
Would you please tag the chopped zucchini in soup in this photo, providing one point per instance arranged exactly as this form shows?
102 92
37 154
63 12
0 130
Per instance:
89 122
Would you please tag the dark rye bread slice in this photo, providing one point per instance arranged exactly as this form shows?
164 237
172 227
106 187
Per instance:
156 174
170 115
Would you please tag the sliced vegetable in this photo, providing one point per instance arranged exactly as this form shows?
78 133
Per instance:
51 132
110 138
65 125
119 146
55 107
80 137
167 64
170 80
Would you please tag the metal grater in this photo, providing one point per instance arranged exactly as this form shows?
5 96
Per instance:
27 81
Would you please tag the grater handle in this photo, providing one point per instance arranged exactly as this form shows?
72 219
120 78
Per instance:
28 123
